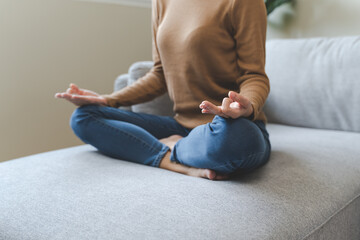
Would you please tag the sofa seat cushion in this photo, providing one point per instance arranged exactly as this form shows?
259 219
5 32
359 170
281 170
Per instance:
308 190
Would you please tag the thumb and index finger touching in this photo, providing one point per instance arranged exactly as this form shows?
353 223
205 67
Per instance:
208 107
233 97
243 101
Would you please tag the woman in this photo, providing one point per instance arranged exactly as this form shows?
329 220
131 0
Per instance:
208 55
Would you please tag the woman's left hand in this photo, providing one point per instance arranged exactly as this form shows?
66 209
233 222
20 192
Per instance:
233 106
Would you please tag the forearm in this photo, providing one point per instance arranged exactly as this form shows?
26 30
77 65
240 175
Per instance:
250 25
143 89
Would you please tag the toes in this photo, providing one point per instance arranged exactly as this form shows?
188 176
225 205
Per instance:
210 174
207 173
222 177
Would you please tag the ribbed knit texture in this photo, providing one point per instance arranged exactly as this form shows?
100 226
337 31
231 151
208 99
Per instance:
201 50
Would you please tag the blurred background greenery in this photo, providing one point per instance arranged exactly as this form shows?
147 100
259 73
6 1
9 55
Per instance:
272 4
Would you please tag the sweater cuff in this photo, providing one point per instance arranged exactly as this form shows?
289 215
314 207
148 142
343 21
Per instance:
255 106
252 116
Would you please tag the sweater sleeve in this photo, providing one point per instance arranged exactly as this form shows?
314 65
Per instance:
249 19
151 85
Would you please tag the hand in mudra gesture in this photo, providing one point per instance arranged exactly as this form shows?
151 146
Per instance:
233 106
81 97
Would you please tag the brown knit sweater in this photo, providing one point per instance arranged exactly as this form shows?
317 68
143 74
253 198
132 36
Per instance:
201 50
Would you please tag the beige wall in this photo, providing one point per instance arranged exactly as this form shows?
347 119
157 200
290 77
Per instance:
46 44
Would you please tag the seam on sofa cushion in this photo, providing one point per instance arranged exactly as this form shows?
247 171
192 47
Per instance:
333 215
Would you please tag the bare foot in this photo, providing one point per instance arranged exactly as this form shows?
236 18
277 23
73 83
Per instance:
191 171
206 173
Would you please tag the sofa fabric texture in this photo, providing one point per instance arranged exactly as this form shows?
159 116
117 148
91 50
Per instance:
309 190
315 82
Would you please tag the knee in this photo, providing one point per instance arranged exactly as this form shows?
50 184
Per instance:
81 116
234 138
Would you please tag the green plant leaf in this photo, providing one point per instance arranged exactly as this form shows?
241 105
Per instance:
272 4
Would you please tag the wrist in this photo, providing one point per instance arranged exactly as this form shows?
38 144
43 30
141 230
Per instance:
104 101
250 115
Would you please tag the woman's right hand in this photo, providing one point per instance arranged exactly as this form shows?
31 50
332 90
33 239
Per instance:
81 97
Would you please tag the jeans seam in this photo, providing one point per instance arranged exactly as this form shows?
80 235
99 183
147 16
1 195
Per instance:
125 133
160 156
173 153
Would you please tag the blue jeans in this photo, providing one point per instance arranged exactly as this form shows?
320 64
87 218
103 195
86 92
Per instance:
225 145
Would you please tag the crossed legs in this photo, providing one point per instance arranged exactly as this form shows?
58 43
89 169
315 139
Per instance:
211 150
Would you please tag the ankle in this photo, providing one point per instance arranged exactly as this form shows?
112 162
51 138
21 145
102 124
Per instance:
165 161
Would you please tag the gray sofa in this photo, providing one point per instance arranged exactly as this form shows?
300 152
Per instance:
309 189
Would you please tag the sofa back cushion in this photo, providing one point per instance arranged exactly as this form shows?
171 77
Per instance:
314 82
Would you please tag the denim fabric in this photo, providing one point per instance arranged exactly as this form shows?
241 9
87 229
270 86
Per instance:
224 145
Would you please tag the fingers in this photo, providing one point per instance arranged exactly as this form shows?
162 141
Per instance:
64 95
85 97
230 108
243 101
81 99
81 91
68 96
61 95
75 88
205 111
225 107
222 177
71 91
208 107
233 106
